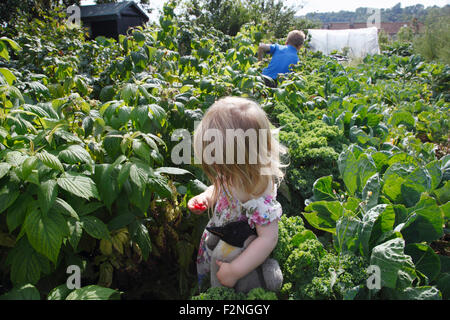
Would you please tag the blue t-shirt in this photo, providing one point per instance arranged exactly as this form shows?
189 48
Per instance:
282 57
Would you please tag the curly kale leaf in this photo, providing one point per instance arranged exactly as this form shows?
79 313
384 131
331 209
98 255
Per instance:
333 277
261 294
219 293
223 293
288 227
303 262
309 271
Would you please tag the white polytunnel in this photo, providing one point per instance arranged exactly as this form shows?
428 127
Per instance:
360 42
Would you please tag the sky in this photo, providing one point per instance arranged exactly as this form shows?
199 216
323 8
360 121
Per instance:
325 5
351 5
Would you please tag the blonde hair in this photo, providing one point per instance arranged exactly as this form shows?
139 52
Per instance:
239 115
295 38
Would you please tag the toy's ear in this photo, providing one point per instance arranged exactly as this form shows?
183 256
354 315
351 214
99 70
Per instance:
218 231
211 241
249 240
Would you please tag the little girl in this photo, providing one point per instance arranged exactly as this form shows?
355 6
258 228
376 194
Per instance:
241 189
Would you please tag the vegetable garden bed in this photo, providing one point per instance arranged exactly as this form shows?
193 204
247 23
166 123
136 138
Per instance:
86 176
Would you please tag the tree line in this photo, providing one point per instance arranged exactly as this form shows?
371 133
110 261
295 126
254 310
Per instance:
394 14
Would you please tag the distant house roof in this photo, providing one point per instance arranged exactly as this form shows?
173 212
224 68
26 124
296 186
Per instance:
390 28
111 11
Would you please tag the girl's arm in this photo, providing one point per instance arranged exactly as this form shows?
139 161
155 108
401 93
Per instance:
253 256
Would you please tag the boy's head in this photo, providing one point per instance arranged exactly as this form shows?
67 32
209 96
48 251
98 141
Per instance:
296 38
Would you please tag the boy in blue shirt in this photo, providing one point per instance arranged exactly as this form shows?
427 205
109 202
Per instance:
282 56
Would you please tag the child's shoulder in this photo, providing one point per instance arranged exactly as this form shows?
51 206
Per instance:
264 209
265 200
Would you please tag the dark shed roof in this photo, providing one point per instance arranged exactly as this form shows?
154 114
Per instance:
111 11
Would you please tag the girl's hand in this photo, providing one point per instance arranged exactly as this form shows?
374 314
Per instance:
198 204
202 201
225 275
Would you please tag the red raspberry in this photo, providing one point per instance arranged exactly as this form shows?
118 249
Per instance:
199 206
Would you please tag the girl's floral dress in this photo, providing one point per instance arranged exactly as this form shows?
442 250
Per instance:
258 211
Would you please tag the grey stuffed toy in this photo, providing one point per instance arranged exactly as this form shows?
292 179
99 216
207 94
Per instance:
227 243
